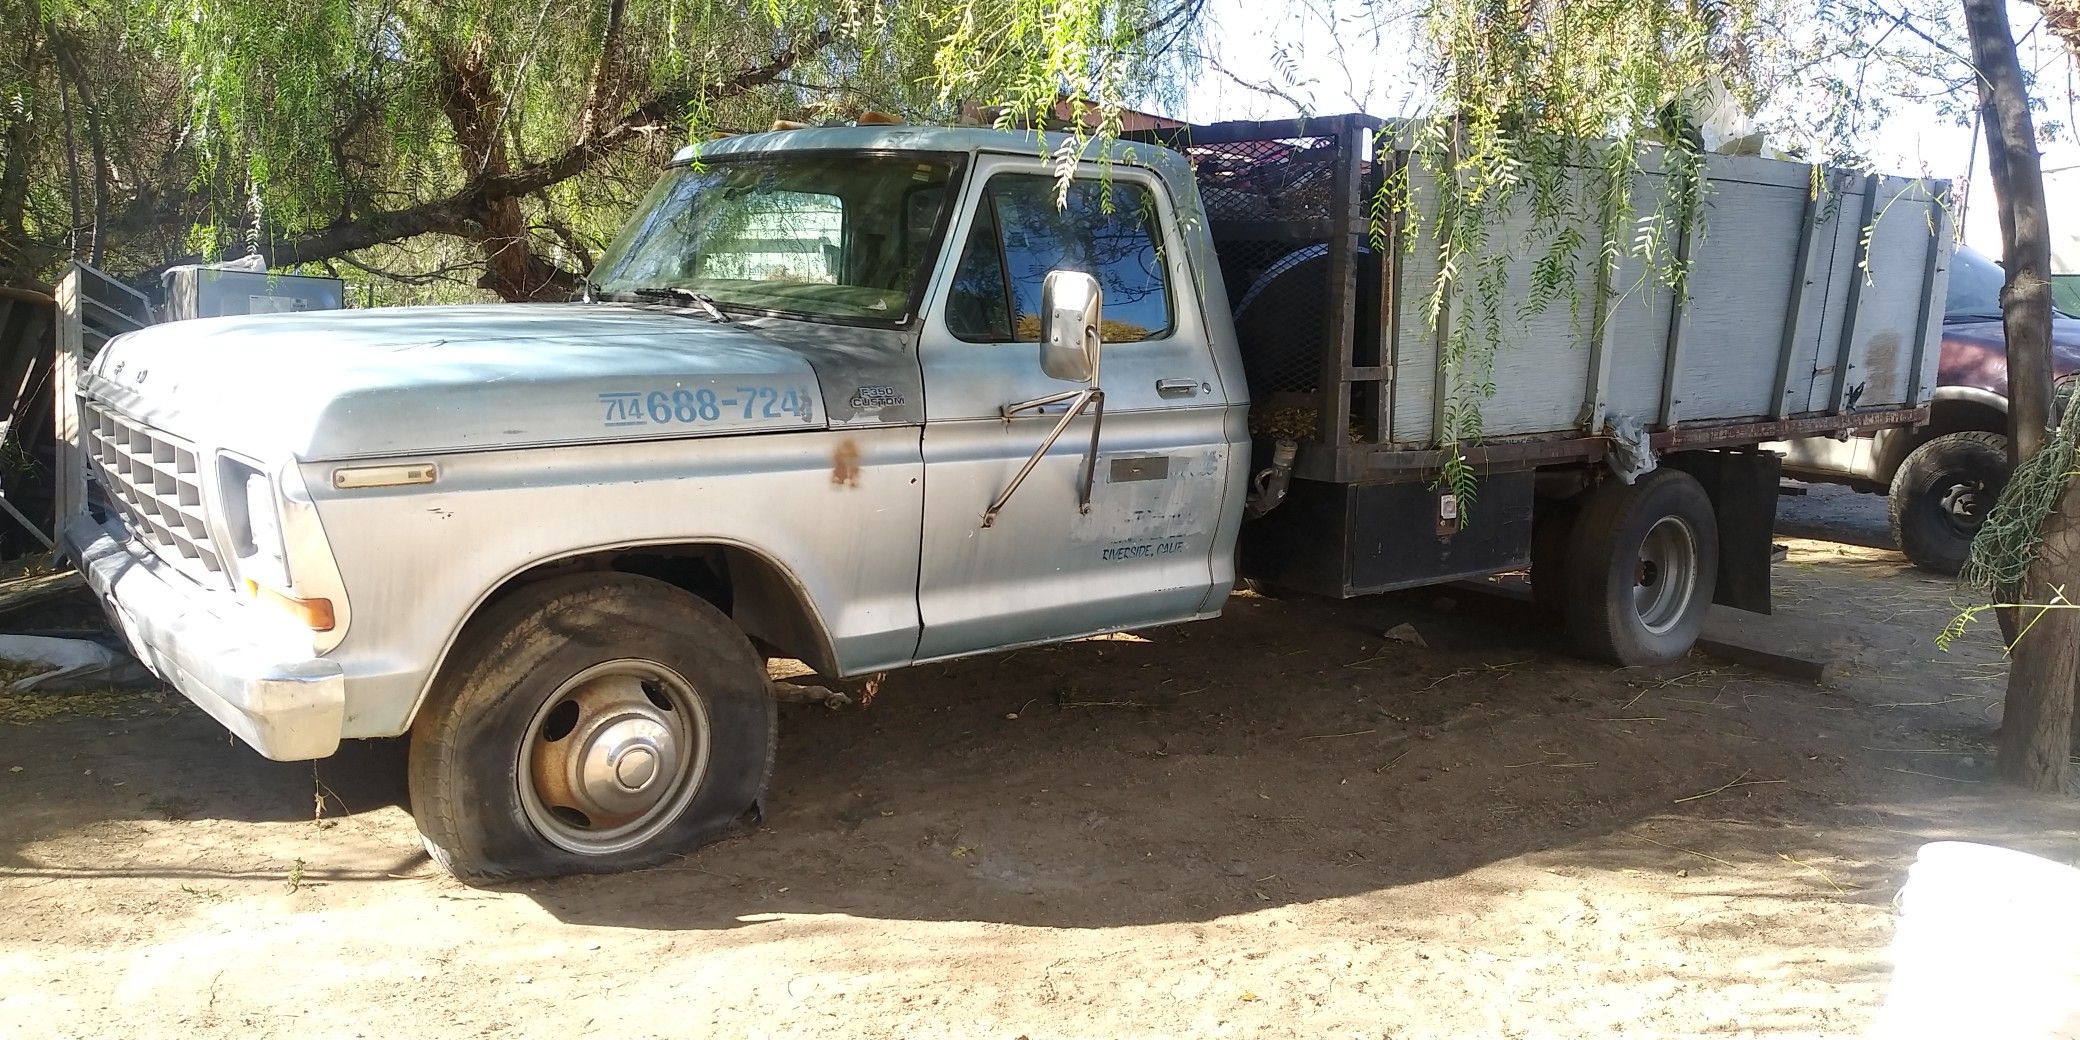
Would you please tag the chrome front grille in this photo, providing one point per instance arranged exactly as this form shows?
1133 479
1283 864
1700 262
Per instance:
155 481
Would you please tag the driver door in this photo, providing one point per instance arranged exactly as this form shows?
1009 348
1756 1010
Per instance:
1045 569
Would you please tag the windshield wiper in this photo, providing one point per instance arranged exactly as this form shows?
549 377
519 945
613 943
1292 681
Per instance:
673 292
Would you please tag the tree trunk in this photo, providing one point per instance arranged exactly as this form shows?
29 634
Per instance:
72 71
2036 738
477 113
17 139
2036 724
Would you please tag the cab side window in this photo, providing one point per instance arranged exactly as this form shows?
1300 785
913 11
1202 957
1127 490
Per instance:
1106 230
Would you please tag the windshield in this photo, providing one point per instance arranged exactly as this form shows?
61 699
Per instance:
844 237
1975 288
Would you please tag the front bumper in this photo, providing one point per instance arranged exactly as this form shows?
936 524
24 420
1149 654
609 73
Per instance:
288 706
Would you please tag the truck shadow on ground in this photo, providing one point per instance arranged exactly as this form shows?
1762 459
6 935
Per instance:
1200 772
1292 751
157 764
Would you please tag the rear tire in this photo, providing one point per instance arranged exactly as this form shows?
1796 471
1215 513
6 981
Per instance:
1942 493
588 724
1642 566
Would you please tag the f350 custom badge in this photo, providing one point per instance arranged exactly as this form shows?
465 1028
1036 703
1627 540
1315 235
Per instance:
876 397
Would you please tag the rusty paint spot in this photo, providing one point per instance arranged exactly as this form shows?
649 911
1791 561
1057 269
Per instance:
845 464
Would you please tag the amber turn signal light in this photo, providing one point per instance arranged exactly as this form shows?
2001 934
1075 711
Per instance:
315 614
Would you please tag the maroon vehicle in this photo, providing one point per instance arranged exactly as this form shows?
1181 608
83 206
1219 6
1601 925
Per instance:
1943 477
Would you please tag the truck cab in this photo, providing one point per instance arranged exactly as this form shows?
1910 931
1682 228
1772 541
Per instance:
803 411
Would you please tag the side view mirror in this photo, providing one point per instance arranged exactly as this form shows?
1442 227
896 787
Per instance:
1069 308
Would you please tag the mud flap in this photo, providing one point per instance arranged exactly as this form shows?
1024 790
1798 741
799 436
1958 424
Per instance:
1742 484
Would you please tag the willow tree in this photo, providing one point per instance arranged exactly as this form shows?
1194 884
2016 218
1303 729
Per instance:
1527 96
380 135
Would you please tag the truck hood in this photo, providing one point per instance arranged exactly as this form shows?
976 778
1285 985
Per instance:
328 385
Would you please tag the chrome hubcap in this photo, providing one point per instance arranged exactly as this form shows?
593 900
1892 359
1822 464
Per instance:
613 756
1666 576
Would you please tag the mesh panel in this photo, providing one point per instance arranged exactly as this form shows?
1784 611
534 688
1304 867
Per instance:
1269 204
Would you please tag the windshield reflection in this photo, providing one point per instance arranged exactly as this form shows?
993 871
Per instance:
841 237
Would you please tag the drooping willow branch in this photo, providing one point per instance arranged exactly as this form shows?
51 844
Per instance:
1551 108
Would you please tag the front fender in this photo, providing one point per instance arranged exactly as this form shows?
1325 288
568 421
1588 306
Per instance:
838 513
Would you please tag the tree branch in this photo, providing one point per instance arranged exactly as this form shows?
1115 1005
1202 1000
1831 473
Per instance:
458 213
1269 90
653 113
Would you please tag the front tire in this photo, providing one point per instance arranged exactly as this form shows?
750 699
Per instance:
1941 495
588 724
1642 567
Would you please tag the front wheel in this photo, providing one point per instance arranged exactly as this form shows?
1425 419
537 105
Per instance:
587 724
1941 496
1642 567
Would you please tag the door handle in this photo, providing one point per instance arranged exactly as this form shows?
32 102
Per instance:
1176 387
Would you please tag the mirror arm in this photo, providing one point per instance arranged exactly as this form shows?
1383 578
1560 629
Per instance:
1039 403
1092 400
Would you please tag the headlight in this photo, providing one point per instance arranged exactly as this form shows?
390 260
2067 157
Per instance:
253 518
269 520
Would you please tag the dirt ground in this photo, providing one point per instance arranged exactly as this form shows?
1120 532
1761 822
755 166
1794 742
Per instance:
1277 823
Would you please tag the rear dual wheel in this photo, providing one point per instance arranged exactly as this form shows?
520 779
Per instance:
587 724
1632 567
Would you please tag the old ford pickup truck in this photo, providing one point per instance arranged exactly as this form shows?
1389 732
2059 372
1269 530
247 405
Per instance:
872 396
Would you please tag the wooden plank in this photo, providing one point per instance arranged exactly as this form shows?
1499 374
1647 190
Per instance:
1794 647
1838 387
1440 385
1801 290
1334 416
1678 327
1390 298
19 594
1783 644
1596 389
1939 219
113 318
69 494
1573 445
23 320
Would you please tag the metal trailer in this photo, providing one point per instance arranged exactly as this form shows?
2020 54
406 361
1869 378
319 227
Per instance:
1796 323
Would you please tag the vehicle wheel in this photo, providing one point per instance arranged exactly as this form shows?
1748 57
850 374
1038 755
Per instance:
587 724
1552 527
1942 494
1642 565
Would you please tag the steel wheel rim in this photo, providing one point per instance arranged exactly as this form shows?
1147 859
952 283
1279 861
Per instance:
1961 506
1666 576
613 757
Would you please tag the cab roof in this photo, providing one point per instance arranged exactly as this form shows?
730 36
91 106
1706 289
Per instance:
961 139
